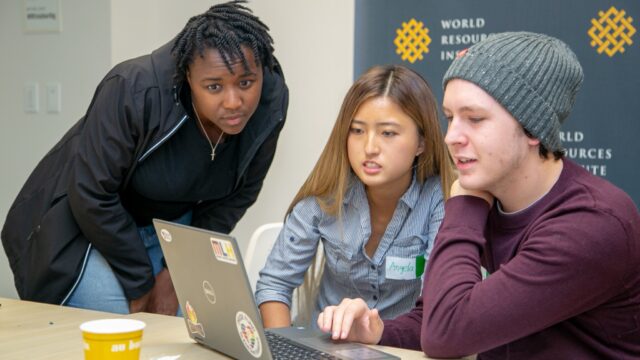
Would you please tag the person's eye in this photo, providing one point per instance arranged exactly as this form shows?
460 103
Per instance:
389 133
448 118
245 84
214 87
355 130
475 119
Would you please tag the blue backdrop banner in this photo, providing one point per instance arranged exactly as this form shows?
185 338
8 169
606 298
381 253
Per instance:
603 131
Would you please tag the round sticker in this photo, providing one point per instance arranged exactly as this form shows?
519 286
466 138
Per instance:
166 235
248 334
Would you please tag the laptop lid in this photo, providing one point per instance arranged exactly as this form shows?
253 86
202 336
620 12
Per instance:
210 281
217 302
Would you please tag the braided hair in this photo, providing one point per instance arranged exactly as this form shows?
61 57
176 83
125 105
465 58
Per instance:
224 27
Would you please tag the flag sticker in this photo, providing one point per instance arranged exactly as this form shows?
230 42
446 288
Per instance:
223 251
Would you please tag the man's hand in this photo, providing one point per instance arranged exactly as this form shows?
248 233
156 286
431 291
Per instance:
162 297
457 189
352 320
139 304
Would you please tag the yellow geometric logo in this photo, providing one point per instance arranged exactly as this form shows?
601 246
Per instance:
611 32
412 40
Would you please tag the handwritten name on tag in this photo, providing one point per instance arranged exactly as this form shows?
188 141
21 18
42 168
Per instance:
398 268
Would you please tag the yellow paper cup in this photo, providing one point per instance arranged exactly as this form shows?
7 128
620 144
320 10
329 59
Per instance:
117 339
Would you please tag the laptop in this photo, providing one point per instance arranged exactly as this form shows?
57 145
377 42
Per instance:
219 307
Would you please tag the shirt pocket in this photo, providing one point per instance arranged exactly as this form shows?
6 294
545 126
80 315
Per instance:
338 258
409 246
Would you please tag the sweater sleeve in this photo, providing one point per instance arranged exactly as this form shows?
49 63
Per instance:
563 267
404 330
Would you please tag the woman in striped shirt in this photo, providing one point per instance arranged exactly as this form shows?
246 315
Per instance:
374 200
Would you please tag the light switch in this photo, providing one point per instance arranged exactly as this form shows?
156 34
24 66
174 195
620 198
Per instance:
30 97
54 98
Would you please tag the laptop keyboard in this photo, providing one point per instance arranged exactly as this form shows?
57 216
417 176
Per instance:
283 348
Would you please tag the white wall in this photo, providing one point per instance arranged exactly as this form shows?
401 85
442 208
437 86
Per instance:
77 58
313 41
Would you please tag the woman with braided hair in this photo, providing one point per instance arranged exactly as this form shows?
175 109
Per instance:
186 133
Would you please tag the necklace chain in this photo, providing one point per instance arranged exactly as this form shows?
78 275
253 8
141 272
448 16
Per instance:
213 147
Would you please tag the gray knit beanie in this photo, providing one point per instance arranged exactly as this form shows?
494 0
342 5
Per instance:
534 76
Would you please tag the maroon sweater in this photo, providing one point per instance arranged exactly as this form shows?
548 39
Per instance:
564 278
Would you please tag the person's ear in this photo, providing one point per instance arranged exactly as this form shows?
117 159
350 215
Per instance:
420 146
533 141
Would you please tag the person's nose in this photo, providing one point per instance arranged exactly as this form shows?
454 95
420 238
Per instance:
371 146
454 135
232 100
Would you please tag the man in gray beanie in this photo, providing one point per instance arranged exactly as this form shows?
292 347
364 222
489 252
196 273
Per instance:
561 246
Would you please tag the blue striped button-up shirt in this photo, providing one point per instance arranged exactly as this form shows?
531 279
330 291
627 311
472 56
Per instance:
349 271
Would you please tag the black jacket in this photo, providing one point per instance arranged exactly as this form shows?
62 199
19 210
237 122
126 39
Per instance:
74 198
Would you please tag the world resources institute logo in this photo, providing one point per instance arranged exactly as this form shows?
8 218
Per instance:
412 40
611 31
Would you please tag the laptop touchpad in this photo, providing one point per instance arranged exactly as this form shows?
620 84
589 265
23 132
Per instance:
343 349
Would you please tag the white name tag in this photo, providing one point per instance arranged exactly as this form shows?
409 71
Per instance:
398 268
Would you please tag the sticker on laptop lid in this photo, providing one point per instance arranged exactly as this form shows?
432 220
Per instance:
223 250
165 234
248 334
209 293
192 321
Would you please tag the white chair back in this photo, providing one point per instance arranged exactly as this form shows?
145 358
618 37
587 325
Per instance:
260 245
